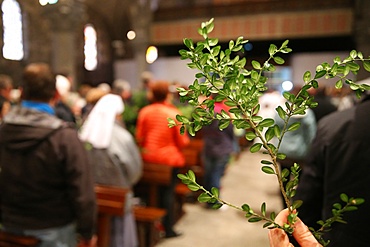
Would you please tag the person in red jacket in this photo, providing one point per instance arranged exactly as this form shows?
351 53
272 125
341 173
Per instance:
160 144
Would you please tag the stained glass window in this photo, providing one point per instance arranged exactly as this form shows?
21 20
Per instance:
12 30
90 48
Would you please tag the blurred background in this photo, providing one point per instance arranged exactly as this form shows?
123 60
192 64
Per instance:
96 42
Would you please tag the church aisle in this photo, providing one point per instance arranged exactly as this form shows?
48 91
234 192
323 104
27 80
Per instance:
244 182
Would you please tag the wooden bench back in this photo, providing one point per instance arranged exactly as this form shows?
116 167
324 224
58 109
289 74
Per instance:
156 174
111 200
193 153
11 240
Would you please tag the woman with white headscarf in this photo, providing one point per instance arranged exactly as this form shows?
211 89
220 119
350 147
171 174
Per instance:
103 131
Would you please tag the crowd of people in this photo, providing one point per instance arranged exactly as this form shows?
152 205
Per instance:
52 142
56 145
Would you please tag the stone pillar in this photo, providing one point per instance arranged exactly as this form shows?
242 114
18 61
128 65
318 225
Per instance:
140 18
362 31
65 19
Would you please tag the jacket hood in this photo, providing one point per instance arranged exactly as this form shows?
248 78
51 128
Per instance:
23 128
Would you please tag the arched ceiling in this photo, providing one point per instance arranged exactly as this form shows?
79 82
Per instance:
113 13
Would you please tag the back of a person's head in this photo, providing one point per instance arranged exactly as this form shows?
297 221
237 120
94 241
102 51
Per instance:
5 82
159 91
94 95
119 86
39 82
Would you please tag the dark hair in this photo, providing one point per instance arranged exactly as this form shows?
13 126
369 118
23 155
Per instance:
5 82
159 90
39 82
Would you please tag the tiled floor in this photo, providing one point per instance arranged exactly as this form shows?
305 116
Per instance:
244 182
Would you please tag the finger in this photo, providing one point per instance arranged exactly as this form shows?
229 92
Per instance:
278 238
303 235
281 218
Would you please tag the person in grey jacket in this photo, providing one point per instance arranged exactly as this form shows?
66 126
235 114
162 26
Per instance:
46 185
104 131
296 144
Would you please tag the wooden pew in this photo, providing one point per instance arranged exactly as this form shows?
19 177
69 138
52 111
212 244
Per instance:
154 176
148 220
111 202
12 240
193 158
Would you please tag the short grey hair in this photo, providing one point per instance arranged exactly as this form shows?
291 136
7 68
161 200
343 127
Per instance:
120 86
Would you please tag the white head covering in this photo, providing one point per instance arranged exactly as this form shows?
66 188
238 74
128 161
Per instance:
98 126
63 85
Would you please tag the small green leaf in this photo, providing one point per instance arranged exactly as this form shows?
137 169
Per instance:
191 175
193 187
269 134
266 162
279 60
277 131
358 201
179 118
367 66
273 216
281 156
339 84
353 66
294 126
216 205
263 209
353 54
213 42
268 170
344 197
285 173
307 76
285 43
182 176
250 136
254 219
272 49
215 192
204 197
320 74
281 112
297 204
223 124
267 224
267 122
245 207
351 208
182 130
171 122
255 147
256 64
230 103
188 43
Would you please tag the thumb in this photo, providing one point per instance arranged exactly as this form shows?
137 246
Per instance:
303 235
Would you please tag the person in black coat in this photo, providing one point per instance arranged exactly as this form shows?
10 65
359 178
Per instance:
338 163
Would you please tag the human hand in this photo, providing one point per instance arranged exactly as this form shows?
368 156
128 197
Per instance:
88 243
279 238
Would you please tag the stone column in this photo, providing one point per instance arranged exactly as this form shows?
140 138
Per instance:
65 19
140 18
